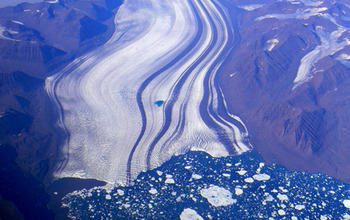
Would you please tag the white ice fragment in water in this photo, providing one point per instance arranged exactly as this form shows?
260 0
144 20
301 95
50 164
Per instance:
196 176
294 218
282 189
345 216
187 167
226 174
282 197
238 191
190 214
261 177
281 212
346 203
159 172
169 181
108 197
241 172
268 197
91 208
249 180
299 207
153 191
120 192
323 217
218 196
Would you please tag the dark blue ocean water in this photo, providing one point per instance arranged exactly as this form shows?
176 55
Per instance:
165 192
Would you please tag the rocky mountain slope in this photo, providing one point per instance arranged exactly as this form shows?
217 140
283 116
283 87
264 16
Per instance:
288 79
36 41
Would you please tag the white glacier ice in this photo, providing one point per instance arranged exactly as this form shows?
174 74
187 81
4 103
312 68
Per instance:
148 93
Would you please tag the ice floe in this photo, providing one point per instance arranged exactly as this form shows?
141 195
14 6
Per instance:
238 191
190 214
261 177
217 196
153 191
346 203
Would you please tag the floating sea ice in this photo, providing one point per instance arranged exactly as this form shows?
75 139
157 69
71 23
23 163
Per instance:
282 197
120 192
218 196
345 216
268 198
190 214
282 189
281 212
226 174
153 191
249 180
196 176
346 203
299 207
241 172
261 177
170 181
323 217
238 191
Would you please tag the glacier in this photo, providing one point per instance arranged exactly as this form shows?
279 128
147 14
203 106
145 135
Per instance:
149 93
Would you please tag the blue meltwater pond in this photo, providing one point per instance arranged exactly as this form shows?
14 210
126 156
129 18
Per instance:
159 103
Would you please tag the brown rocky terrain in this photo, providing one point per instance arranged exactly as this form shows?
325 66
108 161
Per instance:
304 127
36 41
